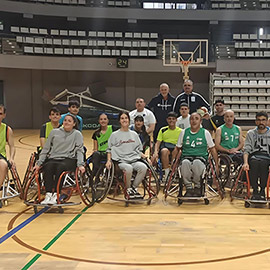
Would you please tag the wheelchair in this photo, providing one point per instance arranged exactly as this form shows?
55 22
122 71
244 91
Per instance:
112 185
210 183
29 170
11 186
229 169
241 190
71 182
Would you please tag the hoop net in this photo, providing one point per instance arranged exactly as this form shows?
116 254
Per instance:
184 67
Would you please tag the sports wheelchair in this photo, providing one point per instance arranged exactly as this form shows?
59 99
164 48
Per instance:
229 168
112 184
69 183
210 183
11 187
241 190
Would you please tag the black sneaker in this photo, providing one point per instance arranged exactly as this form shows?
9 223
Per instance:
197 192
131 194
137 194
189 193
262 195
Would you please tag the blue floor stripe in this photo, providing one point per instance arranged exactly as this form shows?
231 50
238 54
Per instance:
23 224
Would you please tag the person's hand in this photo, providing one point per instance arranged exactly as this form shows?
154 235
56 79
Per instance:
12 163
36 168
206 116
245 167
81 169
149 161
109 164
217 169
233 151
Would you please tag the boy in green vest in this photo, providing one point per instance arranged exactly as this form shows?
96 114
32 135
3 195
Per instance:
229 138
6 136
194 143
54 116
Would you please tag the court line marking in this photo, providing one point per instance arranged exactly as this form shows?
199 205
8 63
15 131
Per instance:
23 224
42 251
34 259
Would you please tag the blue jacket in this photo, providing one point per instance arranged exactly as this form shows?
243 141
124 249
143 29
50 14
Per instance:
194 101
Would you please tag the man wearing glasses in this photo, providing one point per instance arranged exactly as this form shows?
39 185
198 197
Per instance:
194 100
256 155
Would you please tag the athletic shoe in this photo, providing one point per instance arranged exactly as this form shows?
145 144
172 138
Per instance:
131 194
47 198
53 199
197 192
137 194
189 193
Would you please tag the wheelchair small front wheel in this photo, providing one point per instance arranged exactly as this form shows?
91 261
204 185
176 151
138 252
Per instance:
247 204
206 201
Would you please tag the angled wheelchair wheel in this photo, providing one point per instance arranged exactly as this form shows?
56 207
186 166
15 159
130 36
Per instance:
152 180
85 186
102 183
172 183
32 190
29 171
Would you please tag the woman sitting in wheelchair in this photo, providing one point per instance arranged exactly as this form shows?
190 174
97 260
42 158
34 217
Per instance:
125 148
63 151
100 141
194 143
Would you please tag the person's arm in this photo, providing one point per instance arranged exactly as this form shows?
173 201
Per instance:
95 148
218 141
80 123
42 135
157 146
240 145
245 165
204 103
46 149
11 147
151 128
109 161
176 105
215 157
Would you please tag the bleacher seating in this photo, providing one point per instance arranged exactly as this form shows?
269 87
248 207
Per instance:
85 43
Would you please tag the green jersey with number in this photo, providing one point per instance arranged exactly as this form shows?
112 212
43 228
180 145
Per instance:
229 136
194 144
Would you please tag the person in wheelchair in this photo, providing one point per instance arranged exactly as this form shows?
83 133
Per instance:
229 138
194 143
100 141
125 149
63 151
256 155
54 116
166 141
139 127
6 135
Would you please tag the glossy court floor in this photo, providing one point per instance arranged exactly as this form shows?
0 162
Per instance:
221 235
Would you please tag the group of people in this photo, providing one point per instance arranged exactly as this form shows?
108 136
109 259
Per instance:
182 124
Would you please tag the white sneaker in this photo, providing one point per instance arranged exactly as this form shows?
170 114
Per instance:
47 199
53 199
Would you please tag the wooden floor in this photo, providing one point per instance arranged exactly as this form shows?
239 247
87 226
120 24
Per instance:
221 235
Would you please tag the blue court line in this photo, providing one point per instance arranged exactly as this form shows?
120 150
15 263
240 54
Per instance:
22 225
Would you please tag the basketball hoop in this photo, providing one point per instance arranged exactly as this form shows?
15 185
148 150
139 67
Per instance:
184 67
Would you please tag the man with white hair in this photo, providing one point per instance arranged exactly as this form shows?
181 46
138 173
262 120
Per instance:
161 105
194 100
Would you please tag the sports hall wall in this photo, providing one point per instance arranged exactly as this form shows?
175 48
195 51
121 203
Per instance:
28 107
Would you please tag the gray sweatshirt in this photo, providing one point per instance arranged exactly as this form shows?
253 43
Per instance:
62 144
125 146
256 142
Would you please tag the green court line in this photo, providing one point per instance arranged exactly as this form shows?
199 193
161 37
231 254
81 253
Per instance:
34 259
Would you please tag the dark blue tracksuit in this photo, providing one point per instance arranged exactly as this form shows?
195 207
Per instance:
161 107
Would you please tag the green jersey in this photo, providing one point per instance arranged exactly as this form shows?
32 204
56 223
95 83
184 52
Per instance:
229 136
3 139
194 144
102 138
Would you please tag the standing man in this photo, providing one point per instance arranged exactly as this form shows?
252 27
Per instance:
73 108
161 105
194 100
256 155
218 119
148 116
6 136
54 116
194 143
229 138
